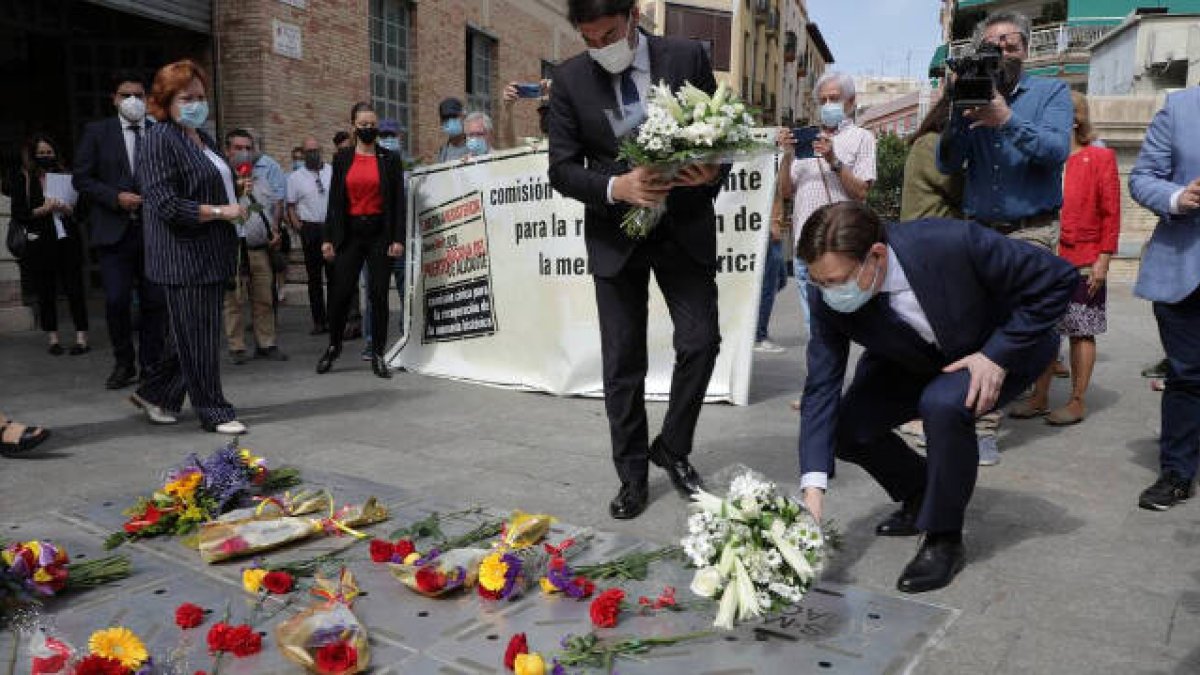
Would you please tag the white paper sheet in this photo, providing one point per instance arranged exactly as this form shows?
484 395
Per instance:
58 186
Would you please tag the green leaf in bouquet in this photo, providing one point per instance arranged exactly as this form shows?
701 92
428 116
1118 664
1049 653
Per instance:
431 526
282 478
631 566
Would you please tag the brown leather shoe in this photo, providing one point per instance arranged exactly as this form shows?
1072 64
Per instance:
1066 415
1026 410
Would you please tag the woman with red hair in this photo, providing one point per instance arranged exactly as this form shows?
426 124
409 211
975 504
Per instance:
189 213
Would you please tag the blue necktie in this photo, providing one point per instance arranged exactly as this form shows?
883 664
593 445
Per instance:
629 91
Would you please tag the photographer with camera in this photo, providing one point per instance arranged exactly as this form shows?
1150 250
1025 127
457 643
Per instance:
1012 148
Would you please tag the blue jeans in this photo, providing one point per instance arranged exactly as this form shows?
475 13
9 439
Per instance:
801 271
1179 328
772 273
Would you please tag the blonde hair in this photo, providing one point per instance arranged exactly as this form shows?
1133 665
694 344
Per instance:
1084 132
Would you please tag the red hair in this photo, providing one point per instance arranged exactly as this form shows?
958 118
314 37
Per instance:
168 82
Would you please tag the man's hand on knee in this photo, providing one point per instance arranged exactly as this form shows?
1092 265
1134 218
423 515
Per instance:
986 380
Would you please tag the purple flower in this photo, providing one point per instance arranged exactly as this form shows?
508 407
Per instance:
511 574
225 475
427 558
558 669
147 668
326 636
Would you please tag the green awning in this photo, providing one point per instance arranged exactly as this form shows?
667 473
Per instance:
963 4
1055 71
938 62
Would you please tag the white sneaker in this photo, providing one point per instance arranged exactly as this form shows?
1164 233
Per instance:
232 428
768 347
989 452
154 413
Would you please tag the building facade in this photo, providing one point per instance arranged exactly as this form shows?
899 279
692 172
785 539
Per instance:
285 69
1147 54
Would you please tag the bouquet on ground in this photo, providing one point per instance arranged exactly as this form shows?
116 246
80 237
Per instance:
757 550
38 569
201 490
327 638
111 651
223 540
682 128
517 563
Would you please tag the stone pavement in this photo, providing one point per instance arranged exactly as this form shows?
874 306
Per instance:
1065 573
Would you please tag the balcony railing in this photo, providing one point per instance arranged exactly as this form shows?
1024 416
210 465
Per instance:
761 9
1050 41
773 23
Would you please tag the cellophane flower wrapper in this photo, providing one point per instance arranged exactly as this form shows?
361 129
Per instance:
287 504
302 636
525 529
49 655
686 127
755 549
437 574
221 540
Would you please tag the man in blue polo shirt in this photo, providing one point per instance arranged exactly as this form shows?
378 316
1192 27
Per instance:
1013 151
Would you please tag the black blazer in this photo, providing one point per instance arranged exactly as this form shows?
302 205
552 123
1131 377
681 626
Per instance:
395 209
101 173
176 178
583 154
44 250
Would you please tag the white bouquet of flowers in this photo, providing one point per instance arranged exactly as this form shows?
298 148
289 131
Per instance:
757 550
682 128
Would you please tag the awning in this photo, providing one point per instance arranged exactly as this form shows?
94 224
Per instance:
963 4
938 63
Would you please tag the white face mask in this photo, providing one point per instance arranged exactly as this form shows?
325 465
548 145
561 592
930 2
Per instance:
132 109
618 56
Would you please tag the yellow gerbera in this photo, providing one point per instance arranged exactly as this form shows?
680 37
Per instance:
492 572
118 643
185 486
252 579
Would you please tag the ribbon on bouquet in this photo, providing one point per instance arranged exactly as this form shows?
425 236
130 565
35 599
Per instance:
342 591
334 523
305 501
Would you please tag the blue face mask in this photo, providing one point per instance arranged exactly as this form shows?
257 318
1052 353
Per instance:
193 114
391 143
832 115
477 145
297 164
453 127
848 297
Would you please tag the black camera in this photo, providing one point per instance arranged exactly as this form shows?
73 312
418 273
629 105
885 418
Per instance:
978 76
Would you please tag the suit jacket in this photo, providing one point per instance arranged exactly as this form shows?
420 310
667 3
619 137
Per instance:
44 249
395 208
981 291
1091 212
101 173
1169 160
583 154
176 178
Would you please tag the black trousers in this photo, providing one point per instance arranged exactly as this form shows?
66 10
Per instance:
884 395
347 265
122 268
690 290
48 280
316 269
191 362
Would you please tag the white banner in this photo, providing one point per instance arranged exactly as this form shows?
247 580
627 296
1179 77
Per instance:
499 289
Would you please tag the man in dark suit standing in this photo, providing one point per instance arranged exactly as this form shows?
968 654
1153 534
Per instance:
956 320
596 98
105 171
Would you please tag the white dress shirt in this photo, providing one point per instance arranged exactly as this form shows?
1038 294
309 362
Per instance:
905 304
131 139
641 79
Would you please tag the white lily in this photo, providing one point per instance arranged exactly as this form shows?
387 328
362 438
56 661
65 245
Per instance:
662 95
725 564
790 553
718 98
707 501
691 96
747 597
727 610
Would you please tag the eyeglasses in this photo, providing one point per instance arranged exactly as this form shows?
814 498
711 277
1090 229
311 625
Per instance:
855 276
320 185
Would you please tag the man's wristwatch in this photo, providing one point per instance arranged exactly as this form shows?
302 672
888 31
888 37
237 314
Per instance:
216 211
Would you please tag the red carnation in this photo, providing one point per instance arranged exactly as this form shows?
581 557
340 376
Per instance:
382 551
99 665
58 577
404 548
188 615
488 595
430 579
278 582
606 607
245 169
337 658
148 517
557 563
218 637
585 585
517 645
243 641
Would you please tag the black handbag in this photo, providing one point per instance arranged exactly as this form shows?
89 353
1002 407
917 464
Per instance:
17 238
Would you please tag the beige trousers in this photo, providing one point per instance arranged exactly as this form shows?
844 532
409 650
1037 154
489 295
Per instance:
258 288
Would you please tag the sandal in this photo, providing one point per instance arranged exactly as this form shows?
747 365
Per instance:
1026 410
31 437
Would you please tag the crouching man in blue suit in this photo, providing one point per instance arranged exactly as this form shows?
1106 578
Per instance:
956 321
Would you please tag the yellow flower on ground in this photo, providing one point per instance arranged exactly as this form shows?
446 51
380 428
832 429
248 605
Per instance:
252 579
492 572
118 643
529 664
412 558
548 587
185 486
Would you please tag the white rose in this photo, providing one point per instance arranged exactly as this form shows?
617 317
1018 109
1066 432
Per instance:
706 582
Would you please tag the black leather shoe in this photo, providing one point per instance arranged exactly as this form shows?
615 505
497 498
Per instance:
902 523
934 567
380 367
122 376
327 359
630 501
683 475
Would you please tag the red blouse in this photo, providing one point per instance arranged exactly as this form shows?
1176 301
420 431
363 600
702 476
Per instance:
1091 210
363 186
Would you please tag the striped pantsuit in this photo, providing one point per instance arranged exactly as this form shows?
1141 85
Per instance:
191 362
